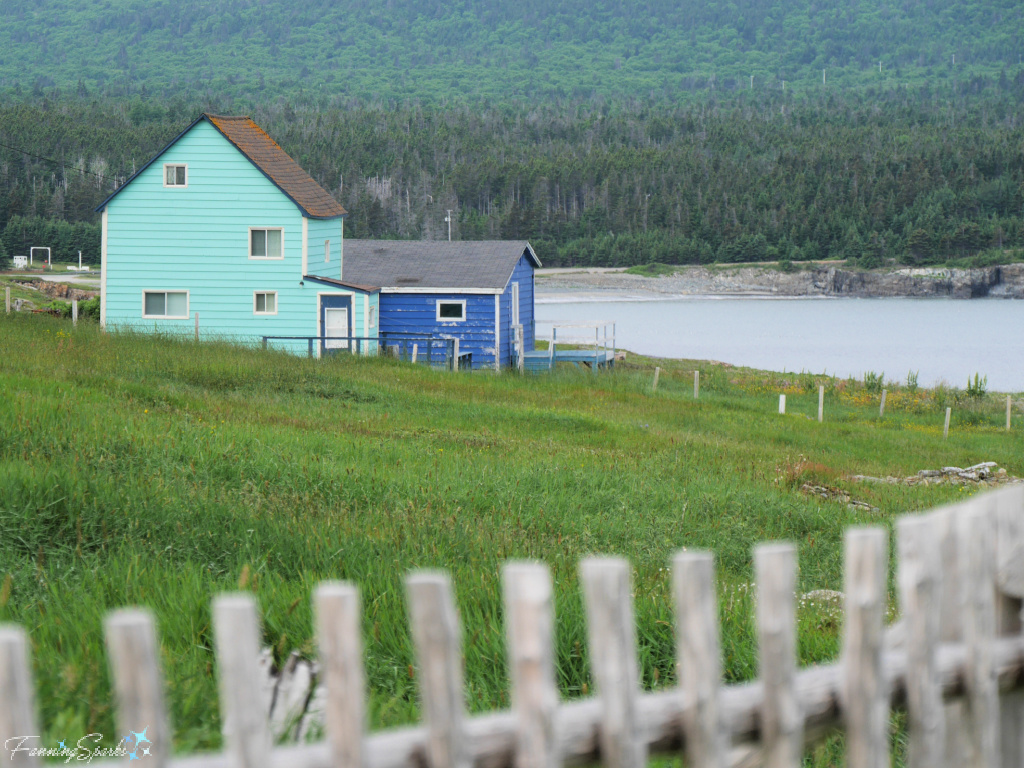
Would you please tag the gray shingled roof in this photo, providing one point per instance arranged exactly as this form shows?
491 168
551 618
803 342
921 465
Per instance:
485 264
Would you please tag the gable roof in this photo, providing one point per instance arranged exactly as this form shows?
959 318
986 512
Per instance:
268 157
480 264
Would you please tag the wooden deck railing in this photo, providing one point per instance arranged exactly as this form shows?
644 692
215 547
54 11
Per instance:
954 662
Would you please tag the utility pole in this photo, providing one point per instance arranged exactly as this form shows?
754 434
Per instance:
448 218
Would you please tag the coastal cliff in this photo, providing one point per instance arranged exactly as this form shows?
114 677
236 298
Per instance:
928 282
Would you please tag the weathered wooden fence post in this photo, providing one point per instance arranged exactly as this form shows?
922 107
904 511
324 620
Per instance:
654 384
699 658
338 619
865 697
782 721
782 404
611 636
821 404
455 356
696 385
197 326
17 696
945 428
1008 509
415 352
881 405
530 624
134 657
7 307
74 312
1007 410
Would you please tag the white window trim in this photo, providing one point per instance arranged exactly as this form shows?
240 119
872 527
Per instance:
268 293
248 245
176 186
371 316
437 310
188 304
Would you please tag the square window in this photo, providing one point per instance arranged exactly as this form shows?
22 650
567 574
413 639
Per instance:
175 175
167 304
265 302
266 243
451 310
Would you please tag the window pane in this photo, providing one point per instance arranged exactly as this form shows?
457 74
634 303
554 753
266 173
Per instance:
259 242
177 305
271 302
180 175
169 171
261 302
274 243
155 304
451 310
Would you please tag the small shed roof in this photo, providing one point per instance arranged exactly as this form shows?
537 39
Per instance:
480 264
272 161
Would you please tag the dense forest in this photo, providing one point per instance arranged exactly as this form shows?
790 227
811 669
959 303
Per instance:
872 175
436 51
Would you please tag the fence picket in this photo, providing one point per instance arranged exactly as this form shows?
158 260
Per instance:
919 579
338 621
17 697
243 708
530 621
1008 505
699 657
781 719
982 695
435 634
611 636
134 655
864 690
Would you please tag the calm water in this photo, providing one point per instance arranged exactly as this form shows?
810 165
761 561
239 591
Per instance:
942 339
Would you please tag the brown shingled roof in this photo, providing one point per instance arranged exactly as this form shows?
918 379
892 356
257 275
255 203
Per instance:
265 153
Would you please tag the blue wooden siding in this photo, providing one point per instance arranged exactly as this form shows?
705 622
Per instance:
197 239
417 313
522 274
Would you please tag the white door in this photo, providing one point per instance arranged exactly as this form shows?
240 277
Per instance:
336 324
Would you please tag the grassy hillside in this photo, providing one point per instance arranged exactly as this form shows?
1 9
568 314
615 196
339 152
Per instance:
491 49
159 472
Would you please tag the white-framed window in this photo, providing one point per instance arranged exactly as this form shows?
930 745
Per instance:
175 175
371 318
451 311
327 250
266 243
169 305
264 302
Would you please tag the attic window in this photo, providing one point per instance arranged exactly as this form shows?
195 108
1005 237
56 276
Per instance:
266 243
451 310
175 175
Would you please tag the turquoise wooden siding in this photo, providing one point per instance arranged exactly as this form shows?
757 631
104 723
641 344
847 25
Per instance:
196 238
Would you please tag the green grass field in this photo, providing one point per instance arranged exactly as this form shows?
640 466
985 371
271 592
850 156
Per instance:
144 470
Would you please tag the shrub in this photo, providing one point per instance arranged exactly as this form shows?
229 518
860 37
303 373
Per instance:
873 381
978 387
912 381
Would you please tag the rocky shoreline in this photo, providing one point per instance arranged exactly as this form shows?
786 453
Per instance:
1005 282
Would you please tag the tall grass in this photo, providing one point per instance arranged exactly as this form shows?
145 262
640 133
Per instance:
155 471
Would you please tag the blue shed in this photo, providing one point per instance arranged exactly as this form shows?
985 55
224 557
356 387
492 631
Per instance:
479 292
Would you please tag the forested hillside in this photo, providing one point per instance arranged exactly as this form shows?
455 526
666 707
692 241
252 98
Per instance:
437 51
871 175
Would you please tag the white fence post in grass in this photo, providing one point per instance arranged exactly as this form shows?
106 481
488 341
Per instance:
17 697
455 353
338 619
611 635
1008 506
699 658
865 698
654 385
197 326
1007 402
981 703
782 723
881 406
530 624
415 352
242 705
821 404
74 312
7 307
945 428
436 637
133 653
782 404
920 582
696 385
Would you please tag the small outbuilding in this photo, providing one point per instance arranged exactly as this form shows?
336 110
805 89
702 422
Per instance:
479 292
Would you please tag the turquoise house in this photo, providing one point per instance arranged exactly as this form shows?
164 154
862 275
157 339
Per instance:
223 231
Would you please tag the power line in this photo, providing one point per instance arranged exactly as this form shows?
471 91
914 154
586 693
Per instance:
55 162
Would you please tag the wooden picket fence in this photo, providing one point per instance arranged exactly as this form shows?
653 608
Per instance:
954 662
